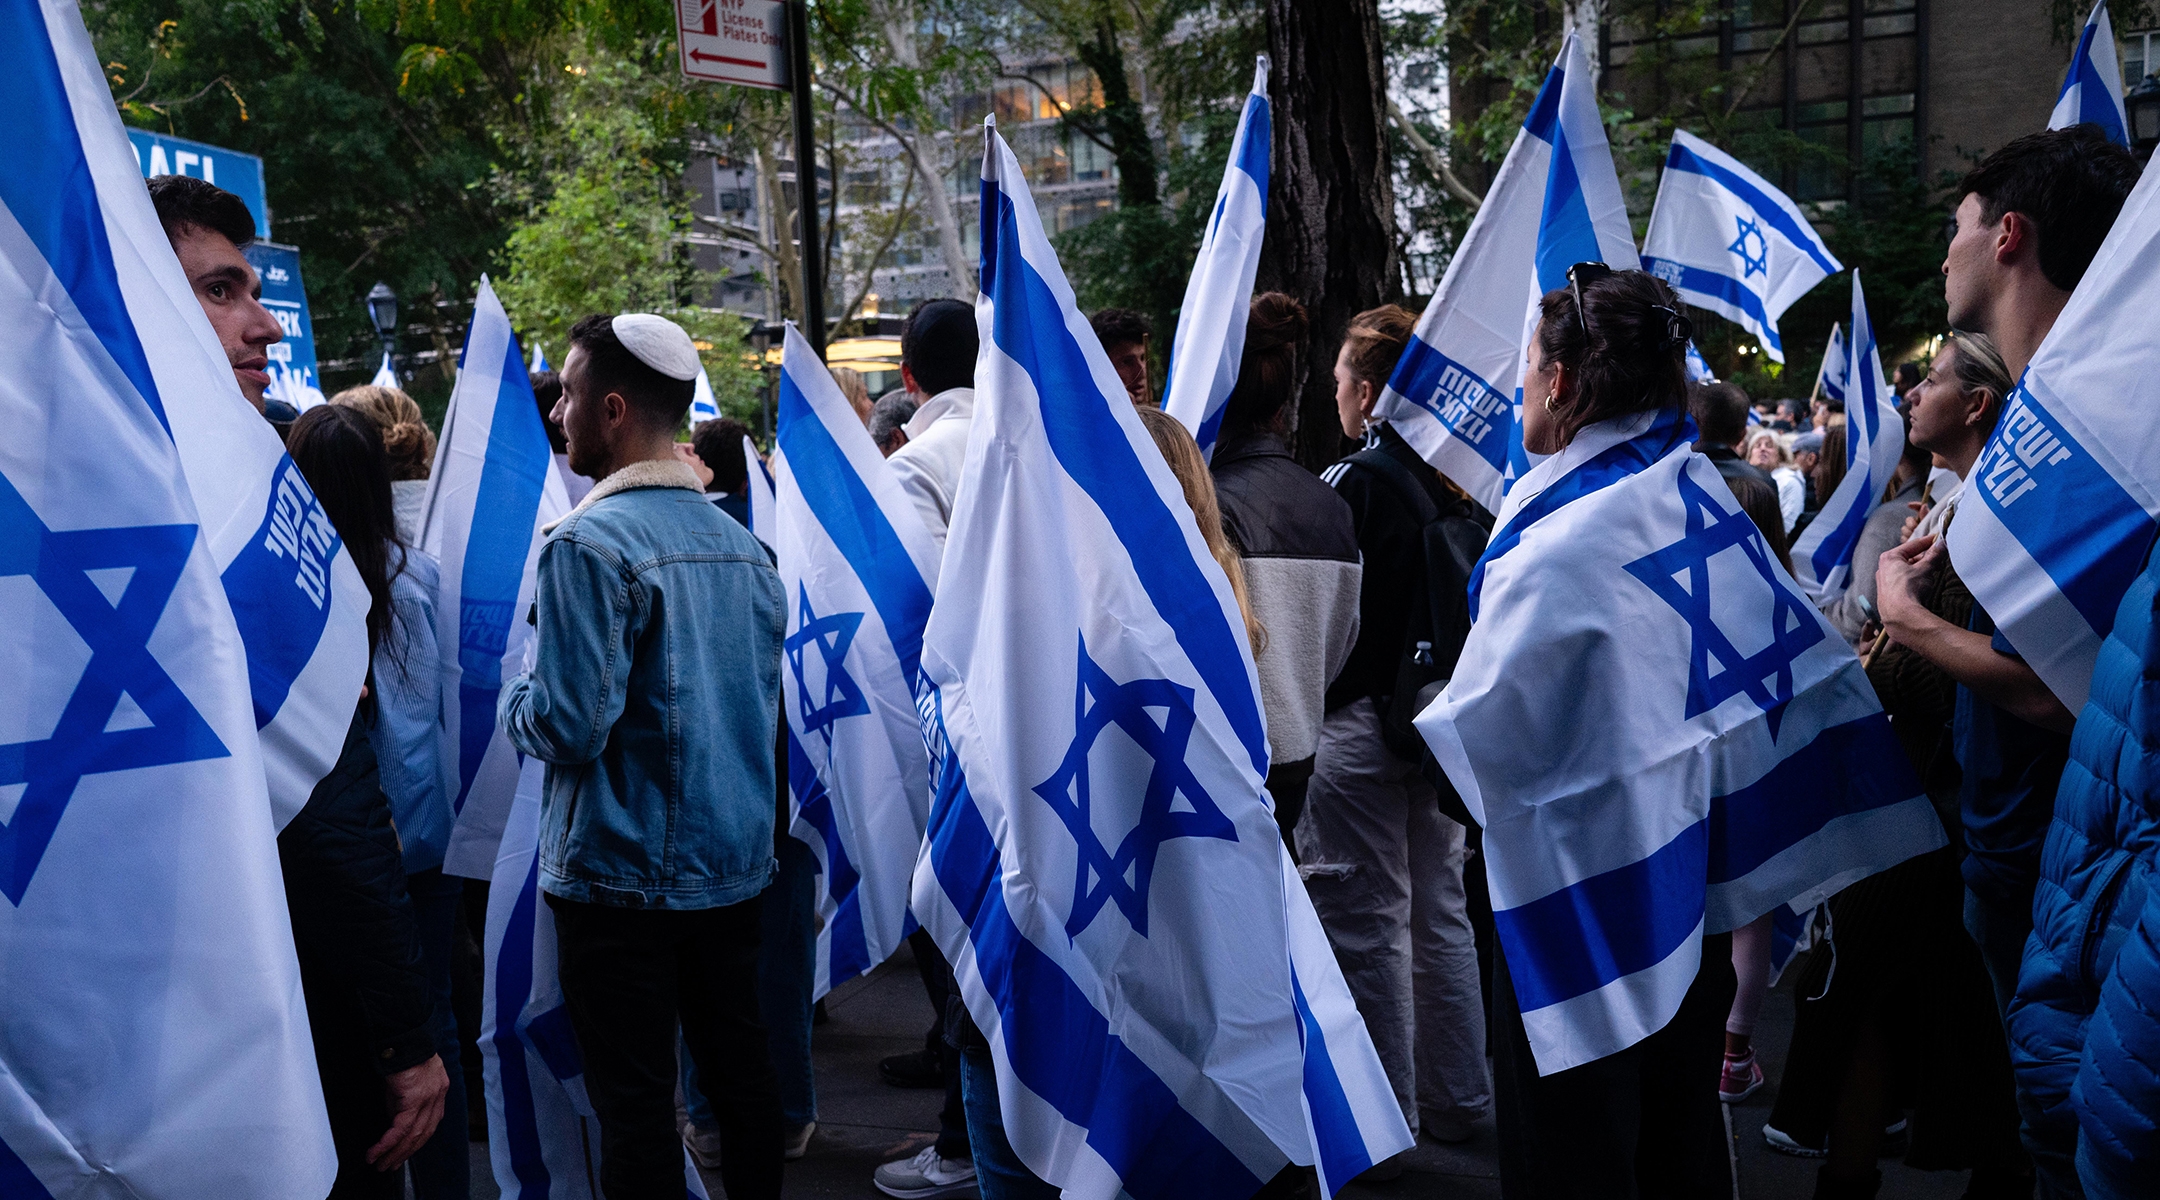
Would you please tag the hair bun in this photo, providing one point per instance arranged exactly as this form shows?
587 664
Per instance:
1275 320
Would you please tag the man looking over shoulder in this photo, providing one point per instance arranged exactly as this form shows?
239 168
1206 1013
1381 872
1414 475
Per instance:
651 699
370 1009
2029 221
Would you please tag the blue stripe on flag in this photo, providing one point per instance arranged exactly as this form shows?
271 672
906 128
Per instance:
1060 1047
850 947
1578 939
1566 235
1094 452
1767 209
1340 1144
1849 768
500 538
513 989
1685 278
1253 155
555 1042
54 197
850 516
1465 404
282 610
1581 937
1669 429
17 1182
1837 545
2084 530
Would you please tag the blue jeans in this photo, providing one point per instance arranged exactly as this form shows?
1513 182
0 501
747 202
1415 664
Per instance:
998 1171
787 972
442 1170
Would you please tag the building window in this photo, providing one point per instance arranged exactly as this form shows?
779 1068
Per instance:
2140 55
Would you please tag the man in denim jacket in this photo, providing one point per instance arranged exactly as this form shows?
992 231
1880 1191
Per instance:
652 701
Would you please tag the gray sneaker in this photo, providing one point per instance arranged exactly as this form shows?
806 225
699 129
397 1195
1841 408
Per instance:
796 1142
926 1177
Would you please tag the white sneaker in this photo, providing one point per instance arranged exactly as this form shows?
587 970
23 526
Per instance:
926 1177
796 1142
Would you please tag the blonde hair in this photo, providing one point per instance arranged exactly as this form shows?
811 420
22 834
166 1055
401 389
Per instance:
1978 366
1183 455
407 440
852 386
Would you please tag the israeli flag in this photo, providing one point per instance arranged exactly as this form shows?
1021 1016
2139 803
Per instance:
1457 392
153 1041
1698 371
858 569
543 1137
2092 89
1167 1025
386 375
1830 377
1669 744
539 360
493 489
1874 440
1211 324
1728 241
2061 506
702 405
764 525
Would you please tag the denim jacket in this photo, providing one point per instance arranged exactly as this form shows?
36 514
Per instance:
653 698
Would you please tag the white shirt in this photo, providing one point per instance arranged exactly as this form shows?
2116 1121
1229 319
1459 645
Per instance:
929 465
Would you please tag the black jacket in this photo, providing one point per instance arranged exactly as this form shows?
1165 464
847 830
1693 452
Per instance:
353 924
1392 539
1729 464
1274 508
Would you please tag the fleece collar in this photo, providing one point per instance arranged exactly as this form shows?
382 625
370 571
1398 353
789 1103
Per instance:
647 474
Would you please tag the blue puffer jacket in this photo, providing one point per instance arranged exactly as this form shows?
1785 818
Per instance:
2085 1027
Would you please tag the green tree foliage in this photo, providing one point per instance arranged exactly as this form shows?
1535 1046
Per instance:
369 183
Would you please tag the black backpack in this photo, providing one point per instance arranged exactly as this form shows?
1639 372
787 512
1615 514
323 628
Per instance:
1454 533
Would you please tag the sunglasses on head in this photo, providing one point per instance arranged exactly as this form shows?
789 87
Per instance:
1580 276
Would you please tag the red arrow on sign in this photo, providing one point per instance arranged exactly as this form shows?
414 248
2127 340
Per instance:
701 56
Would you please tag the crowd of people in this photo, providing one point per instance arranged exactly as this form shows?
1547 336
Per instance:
1987 1007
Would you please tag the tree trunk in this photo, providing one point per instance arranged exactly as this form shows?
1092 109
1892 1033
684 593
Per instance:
1123 122
1331 208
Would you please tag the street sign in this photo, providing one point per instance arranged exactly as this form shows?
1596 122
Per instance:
292 361
734 41
240 174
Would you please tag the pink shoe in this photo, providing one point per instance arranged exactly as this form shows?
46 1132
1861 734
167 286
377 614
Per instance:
1741 1078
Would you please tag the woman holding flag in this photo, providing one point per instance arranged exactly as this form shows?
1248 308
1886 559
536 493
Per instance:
1645 785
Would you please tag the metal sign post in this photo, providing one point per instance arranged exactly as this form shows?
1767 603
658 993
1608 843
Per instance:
766 44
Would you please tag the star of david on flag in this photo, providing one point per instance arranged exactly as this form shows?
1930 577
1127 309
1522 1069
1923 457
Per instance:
1075 581
854 552
1680 575
157 1039
1752 247
1644 688
1099 703
830 635
1728 240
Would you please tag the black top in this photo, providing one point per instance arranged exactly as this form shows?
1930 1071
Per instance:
1274 508
1729 464
2007 799
1391 537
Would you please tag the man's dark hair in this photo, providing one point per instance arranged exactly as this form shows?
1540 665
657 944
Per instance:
1909 374
938 344
547 389
1120 327
719 444
610 367
2070 183
183 200
1789 406
1720 412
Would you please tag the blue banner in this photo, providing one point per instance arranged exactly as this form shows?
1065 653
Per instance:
292 361
240 174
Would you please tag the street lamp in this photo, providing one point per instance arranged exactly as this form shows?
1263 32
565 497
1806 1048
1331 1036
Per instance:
2143 106
382 314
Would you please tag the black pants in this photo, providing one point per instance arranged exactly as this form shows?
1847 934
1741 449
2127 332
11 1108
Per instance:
359 1115
629 977
1641 1123
937 981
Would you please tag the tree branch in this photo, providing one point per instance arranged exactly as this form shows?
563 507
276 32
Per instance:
1432 158
1762 64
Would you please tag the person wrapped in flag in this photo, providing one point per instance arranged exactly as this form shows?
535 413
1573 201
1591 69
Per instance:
1662 740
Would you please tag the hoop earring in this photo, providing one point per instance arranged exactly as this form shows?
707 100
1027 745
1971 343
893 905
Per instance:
1550 406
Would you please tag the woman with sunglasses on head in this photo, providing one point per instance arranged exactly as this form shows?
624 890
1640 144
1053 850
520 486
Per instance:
1604 394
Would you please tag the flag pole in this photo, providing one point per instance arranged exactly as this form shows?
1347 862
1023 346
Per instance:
806 185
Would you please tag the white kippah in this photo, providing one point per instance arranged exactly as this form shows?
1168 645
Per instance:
659 343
